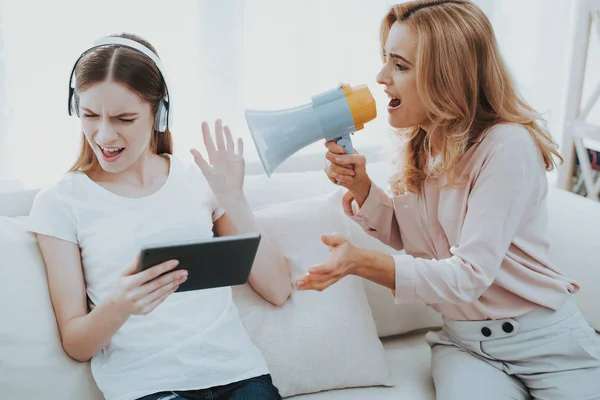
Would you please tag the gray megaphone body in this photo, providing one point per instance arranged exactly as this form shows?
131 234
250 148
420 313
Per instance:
332 115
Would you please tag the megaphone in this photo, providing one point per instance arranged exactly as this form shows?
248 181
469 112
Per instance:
332 115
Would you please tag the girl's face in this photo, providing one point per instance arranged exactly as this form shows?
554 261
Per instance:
117 124
398 74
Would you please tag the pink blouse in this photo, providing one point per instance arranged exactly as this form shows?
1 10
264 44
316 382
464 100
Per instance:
479 251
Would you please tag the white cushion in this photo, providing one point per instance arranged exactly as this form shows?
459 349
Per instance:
390 319
317 340
33 364
410 360
574 226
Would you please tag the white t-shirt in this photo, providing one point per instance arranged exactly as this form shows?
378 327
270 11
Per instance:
194 339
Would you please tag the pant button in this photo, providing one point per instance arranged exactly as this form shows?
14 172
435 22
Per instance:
485 331
507 327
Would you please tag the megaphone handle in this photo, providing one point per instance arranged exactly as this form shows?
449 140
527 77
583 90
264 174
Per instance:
346 143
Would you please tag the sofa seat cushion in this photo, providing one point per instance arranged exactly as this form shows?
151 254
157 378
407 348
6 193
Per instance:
410 361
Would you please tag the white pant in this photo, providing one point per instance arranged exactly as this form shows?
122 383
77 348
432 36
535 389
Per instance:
544 354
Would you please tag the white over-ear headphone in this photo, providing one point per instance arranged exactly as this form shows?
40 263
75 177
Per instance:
164 114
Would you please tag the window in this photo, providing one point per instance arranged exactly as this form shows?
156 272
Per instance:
226 55
39 51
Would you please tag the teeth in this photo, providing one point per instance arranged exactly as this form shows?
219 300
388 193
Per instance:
395 102
112 150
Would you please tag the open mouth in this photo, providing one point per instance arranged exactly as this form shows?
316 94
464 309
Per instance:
394 103
111 153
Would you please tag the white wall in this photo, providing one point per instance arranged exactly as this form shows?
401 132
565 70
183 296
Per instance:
534 38
40 48
4 112
251 61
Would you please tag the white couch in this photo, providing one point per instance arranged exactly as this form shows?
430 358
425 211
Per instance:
349 335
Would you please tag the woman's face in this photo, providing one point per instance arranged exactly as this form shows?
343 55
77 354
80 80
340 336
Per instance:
117 124
398 75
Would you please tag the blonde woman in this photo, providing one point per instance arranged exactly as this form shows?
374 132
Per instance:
469 209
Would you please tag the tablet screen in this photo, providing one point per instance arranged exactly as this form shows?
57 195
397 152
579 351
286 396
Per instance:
215 262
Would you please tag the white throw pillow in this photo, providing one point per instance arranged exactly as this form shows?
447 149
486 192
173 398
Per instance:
390 319
33 364
318 340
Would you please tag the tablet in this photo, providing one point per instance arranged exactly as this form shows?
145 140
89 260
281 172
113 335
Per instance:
212 263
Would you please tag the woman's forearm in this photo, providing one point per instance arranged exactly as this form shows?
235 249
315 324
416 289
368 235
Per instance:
376 267
83 337
377 217
270 274
361 193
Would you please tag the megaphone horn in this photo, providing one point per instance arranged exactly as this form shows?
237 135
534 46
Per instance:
332 115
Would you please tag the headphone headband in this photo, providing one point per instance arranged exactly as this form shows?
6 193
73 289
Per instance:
164 113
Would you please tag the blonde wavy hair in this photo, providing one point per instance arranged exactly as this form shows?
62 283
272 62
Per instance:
465 87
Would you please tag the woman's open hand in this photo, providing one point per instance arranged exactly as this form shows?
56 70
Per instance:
225 168
342 261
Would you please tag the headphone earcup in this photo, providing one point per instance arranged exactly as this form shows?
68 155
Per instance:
160 121
74 105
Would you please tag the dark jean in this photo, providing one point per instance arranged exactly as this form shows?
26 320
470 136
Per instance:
258 388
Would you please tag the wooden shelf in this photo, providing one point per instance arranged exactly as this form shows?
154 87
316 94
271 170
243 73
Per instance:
585 130
585 22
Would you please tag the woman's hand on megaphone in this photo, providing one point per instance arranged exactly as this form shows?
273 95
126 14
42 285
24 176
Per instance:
225 167
348 170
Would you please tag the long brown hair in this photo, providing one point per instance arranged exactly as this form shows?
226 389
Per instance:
130 68
465 87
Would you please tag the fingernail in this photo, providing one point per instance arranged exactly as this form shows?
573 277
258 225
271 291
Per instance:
338 159
300 283
174 263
